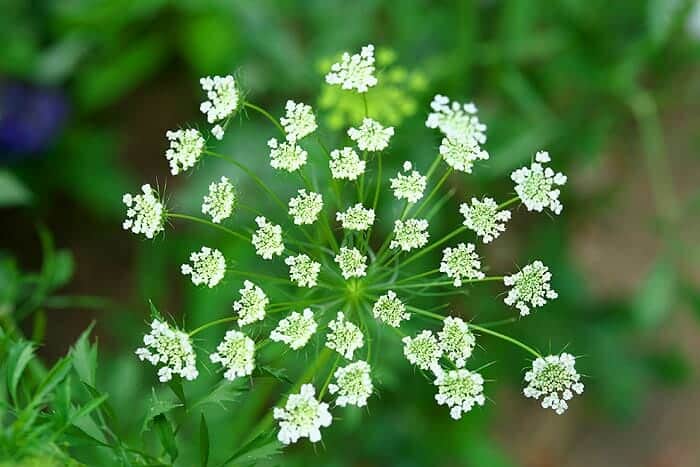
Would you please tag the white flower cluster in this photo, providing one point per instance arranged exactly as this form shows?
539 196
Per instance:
299 120
170 348
306 207
456 340
390 310
302 417
286 155
356 217
460 154
484 218
411 186
223 98
529 287
351 262
460 390
410 234
536 185
295 330
460 263
251 306
267 239
424 351
371 135
220 201
553 378
145 213
353 384
346 164
303 271
208 267
354 71
455 120
185 149
236 353
344 337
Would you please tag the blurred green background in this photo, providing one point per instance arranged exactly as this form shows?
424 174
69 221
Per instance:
611 89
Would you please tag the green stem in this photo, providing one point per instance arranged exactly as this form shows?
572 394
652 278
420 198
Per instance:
210 324
267 115
431 247
176 215
507 339
514 199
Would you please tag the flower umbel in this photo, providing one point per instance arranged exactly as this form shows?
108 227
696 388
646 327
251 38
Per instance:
353 384
460 390
460 154
251 306
267 239
461 262
222 95
302 417
236 353
354 72
371 135
145 213
208 267
303 271
287 155
390 310
344 337
536 185
456 340
185 149
220 201
305 207
352 263
170 348
410 234
484 218
346 164
356 217
529 287
554 379
299 120
296 329
455 120
422 350
409 187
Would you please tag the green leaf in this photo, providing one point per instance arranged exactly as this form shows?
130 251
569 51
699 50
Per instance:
655 298
19 355
54 377
203 441
223 392
166 435
263 447
175 385
62 268
12 190
276 373
85 357
157 407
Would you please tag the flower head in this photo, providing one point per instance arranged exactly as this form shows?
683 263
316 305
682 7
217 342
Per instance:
353 384
371 135
390 310
145 213
484 218
354 72
356 217
251 306
236 353
409 186
352 263
208 267
553 378
422 350
267 239
460 154
299 120
305 207
302 417
529 287
460 390
185 149
410 234
303 271
222 95
455 120
344 337
461 262
286 155
346 164
456 340
220 201
536 185
170 348
295 330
